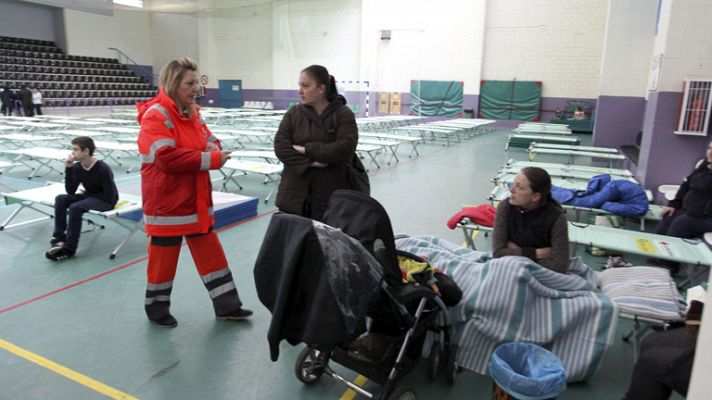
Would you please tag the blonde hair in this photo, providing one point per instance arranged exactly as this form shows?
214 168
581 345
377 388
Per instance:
172 74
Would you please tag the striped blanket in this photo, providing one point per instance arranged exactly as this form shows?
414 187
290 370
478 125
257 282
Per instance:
513 299
644 291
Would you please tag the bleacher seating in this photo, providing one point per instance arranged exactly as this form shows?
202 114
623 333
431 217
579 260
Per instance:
68 80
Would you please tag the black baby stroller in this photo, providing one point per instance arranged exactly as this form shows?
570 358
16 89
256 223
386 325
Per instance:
338 288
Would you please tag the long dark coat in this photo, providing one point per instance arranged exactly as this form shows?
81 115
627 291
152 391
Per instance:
329 138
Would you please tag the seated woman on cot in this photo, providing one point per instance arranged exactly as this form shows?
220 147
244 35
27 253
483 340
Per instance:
689 214
531 223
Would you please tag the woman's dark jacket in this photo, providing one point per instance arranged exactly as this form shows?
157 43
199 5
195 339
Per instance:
695 194
329 138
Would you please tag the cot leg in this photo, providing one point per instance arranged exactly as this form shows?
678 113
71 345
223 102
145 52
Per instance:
227 178
122 243
373 159
6 170
468 238
415 149
6 224
14 213
393 150
269 194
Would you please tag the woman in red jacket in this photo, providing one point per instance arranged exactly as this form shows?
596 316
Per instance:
177 152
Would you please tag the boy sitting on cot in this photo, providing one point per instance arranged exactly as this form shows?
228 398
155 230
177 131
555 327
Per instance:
99 194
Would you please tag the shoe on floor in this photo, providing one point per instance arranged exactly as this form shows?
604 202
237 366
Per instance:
167 322
54 242
237 315
596 251
60 254
54 249
617 262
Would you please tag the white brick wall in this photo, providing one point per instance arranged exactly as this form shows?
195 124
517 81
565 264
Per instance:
629 39
324 32
173 36
434 40
236 43
90 34
559 42
267 45
687 47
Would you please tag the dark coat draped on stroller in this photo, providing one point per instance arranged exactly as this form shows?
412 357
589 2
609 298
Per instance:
323 282
317 283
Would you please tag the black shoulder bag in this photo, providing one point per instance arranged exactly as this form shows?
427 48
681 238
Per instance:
357 174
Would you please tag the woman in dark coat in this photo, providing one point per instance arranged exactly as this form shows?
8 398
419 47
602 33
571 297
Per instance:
689 214
316 141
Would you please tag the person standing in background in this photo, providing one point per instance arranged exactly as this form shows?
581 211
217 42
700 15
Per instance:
6 97
26 99
37 100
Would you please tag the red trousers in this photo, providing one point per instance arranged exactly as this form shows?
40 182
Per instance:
163 254
212 266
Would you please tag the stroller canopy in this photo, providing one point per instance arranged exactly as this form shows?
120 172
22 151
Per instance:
363 218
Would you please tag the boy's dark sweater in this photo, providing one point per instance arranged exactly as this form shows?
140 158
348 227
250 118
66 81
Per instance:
98 181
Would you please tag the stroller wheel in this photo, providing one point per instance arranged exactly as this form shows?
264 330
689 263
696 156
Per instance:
435 355
452 369
402 394
304 368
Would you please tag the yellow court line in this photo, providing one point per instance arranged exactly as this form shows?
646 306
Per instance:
66 372
350 394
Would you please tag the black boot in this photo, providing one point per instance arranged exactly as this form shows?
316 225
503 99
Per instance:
158 304
226 301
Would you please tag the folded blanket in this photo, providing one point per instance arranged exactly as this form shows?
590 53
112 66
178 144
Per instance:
644 291
513 299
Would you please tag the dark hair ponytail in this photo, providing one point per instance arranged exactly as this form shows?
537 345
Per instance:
321 77
540 182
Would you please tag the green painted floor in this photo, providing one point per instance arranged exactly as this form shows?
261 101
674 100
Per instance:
86 314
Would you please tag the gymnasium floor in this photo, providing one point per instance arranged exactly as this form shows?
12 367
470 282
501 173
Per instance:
77 329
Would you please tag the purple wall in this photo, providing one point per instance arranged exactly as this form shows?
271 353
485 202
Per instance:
618 120
211 95
280 98
666 158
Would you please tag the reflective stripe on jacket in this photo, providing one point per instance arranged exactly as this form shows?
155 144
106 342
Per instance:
175 178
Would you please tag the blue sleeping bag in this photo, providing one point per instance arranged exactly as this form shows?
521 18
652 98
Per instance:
621 197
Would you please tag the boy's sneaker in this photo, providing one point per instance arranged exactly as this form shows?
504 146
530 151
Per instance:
54 242
54 249
61 254
237 315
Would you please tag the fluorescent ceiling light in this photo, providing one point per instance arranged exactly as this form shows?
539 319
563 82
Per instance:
130 3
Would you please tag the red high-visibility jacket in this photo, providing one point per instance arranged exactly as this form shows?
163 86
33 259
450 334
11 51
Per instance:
175 178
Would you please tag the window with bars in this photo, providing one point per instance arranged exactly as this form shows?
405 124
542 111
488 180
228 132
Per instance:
695 108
